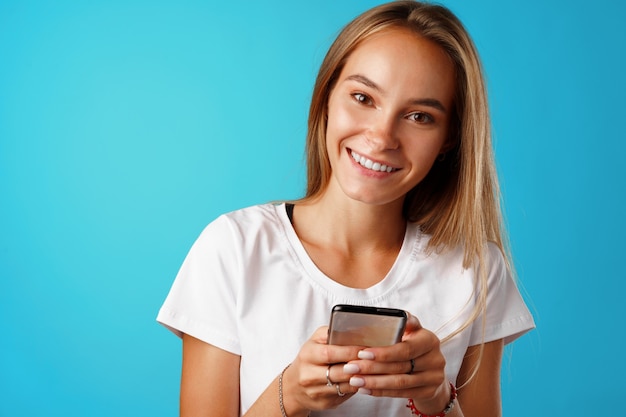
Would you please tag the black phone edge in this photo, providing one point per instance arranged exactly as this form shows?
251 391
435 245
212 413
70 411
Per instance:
383 311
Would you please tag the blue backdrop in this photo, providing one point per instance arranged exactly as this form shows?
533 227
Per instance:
126 126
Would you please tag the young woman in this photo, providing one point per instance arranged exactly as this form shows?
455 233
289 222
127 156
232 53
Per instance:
401 211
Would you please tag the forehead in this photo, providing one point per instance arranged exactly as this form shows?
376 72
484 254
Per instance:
398 58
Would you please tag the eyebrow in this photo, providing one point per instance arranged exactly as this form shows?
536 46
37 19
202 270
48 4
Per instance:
430 102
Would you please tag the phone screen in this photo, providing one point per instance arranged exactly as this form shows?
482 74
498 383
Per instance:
365 326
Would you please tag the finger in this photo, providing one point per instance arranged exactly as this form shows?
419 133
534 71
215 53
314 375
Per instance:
339 373
416 344
419 385
314 395
431 362
331 354
412 324
335 375
320 335
379 368
344 390
317 351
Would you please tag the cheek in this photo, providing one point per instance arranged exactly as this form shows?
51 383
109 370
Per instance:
336 123
342 121
425 148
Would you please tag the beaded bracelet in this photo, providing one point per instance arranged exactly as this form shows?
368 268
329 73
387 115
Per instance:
449 407
280 391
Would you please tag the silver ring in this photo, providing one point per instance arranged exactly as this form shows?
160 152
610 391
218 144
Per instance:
329 383
412 367
341 394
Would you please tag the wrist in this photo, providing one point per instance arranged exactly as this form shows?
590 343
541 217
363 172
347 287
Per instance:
436 407
289 406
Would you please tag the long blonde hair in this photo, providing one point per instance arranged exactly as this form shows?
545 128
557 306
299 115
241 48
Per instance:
458 202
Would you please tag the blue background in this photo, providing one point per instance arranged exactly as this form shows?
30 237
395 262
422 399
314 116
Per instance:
126 126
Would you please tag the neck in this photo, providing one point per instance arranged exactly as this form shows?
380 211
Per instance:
350 225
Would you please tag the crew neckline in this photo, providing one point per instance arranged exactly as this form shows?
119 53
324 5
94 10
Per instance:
395 275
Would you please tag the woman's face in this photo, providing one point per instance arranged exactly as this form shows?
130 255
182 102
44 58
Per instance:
388 116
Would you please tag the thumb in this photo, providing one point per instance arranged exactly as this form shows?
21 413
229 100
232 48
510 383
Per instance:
412 324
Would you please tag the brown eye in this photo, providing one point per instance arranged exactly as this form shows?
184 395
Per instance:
362 98
420 117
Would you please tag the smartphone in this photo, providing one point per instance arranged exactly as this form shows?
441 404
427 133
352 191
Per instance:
352 325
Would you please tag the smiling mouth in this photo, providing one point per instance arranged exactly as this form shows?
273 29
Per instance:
371 165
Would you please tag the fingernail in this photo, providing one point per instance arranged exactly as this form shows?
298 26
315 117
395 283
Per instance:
365 354
355 381
351 368
364 391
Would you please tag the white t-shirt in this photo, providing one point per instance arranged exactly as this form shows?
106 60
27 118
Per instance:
248 287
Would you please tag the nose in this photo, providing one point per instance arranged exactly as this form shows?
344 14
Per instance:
382 132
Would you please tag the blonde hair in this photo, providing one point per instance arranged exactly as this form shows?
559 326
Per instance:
458 202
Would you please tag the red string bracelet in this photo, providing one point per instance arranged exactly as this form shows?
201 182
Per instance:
449 407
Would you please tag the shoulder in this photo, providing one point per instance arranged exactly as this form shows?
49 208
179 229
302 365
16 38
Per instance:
246 220
451 258
244 230
231 238
254 214
492 255
497 265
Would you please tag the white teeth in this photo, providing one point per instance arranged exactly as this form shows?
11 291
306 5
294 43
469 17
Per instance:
369 164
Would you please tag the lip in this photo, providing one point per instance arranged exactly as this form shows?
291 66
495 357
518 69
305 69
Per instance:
369 165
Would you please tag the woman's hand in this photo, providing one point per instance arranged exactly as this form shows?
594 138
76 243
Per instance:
413 368
306 384
324 376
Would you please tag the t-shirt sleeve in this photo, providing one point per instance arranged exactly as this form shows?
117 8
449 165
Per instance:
507 316
202 299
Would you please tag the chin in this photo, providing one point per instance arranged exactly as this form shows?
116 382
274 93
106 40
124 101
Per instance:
373 200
